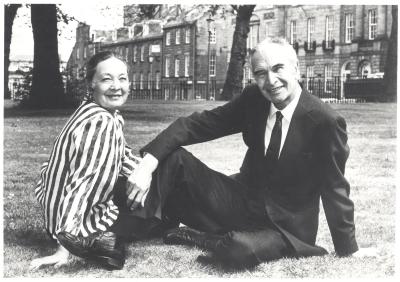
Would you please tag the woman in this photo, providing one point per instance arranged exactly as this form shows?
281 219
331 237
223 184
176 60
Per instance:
76 185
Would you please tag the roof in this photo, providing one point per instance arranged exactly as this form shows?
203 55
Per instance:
178 24
138 39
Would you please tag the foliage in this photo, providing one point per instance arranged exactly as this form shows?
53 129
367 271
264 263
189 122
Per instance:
139 13
10 11
24 88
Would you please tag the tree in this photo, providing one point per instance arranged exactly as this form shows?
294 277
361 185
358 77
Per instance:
390 77
138 13
47 86
234 77
10 11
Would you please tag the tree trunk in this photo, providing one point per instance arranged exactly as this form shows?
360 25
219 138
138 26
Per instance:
47 86
10 11
234 77
390 77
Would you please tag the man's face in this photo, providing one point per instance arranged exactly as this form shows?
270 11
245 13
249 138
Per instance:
276 75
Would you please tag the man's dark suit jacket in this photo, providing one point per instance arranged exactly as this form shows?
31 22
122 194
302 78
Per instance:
311 165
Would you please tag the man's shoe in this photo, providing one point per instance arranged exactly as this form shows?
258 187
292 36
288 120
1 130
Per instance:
103 248
191 237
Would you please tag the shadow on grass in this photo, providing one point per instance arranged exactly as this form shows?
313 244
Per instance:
29 238
211 261
19 112
128 114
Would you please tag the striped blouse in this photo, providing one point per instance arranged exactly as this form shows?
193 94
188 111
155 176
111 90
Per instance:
75 188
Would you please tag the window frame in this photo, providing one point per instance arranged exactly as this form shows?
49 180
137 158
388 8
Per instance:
310 31
213 35
310 73
167 65
177 37
187 35
176 67
142 53
168 38
293 31
372 24
187 64
328 77
213 65
349 28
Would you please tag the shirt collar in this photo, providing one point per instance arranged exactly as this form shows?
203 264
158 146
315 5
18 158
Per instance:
288 111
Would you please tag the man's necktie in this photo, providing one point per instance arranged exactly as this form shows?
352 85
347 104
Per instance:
271 157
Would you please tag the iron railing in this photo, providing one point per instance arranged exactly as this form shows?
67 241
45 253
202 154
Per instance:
326 89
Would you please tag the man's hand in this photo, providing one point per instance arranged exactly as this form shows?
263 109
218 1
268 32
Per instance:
139 181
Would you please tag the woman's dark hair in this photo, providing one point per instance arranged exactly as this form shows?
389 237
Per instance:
95 60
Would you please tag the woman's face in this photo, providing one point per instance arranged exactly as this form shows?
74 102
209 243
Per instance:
110 84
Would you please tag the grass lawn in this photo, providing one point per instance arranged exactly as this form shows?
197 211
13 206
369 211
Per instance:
28 138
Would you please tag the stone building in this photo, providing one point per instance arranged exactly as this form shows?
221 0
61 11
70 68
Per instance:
183 53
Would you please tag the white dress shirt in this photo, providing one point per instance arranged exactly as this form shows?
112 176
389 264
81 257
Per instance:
287 114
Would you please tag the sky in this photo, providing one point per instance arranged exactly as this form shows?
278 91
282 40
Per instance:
100 15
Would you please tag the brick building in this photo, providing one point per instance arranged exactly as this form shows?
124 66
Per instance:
183 53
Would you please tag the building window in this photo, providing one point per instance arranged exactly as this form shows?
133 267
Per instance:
149 79
158 80
246 76
134 81
328 31
176 67
126 54
328 78
310 77
293 32
268 29
213 35
84 52
187 64
212 65
167 66
349 25
372 24
168 38
187 35
142 53
77 53
141 81
310 32
252 39
178 37
135 54
365 69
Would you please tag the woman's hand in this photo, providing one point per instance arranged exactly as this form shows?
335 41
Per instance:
59 258
139 181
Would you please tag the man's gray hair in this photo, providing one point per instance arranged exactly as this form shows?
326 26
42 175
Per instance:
280 41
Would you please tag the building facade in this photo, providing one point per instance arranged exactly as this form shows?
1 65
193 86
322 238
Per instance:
184 54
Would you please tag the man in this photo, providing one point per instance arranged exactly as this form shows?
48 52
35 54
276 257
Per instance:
297 151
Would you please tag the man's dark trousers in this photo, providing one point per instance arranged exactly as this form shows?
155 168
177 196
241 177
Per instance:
185 190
